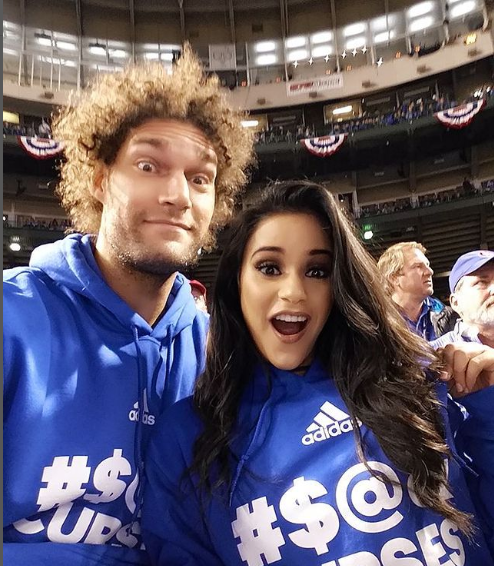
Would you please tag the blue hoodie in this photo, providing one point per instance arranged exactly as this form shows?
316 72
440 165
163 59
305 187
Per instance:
85 379
299 495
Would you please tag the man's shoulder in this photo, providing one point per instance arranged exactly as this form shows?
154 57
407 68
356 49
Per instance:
460 333
448 338
28 294
21 281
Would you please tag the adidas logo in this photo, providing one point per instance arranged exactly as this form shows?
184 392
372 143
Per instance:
147 418
328 423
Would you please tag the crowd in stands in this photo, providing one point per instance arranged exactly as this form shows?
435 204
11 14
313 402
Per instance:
408 111
468 189
58 224
41 130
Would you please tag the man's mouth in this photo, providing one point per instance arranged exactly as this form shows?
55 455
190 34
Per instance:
289 325
171 224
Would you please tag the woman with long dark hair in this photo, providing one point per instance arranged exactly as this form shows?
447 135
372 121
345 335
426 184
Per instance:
317 434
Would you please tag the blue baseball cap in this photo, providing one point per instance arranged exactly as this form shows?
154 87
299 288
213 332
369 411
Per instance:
468 263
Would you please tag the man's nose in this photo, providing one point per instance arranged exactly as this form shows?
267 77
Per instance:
175 191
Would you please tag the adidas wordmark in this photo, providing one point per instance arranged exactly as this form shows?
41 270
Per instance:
328 423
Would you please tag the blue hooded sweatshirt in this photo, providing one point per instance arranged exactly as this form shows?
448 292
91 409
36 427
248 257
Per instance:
299 494
85 379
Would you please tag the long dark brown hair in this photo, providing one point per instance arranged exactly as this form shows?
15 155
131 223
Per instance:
376 362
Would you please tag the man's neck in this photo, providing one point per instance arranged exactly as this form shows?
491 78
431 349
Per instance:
145 294
486 336
409 305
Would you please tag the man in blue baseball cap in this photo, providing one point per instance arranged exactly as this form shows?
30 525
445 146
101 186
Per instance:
471 283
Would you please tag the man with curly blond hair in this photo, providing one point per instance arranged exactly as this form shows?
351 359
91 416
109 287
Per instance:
101 330
407 278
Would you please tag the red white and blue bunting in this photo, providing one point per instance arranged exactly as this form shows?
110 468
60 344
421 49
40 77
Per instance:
40 148
460 116
324 146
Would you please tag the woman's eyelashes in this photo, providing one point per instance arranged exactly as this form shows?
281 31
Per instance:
270 269
319 272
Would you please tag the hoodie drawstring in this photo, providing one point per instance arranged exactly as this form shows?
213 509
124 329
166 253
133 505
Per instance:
138 456
249 450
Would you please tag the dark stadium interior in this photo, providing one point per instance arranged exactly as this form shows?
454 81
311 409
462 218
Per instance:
400 173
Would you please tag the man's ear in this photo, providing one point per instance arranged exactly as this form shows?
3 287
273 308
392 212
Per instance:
393 280
99 186
453 301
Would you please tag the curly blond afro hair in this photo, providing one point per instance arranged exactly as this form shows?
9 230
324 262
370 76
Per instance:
96 123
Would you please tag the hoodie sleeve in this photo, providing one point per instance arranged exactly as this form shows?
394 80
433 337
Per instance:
173 525
474 441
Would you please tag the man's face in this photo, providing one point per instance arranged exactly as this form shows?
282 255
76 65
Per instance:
415 279
158 197
473 299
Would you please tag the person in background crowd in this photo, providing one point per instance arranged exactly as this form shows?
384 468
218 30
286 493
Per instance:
466 348
471 283
44 129
199 293
314 434
408 280
101 332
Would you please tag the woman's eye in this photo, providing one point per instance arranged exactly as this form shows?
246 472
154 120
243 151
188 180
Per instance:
268 269
318 272
146 167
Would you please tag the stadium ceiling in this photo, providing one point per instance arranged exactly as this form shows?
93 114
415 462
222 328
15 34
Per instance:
176 6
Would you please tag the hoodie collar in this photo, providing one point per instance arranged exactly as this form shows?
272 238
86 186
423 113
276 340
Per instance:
71 263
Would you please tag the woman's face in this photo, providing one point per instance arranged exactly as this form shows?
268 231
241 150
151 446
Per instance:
285 287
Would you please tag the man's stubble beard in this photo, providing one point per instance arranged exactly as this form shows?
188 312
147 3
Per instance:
485 317
137 259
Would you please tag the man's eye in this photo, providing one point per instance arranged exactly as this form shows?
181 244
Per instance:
200 180
146 166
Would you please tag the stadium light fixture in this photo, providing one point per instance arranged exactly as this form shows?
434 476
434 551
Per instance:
66 46
293 42
354 29
343 110
321 51
297 54
43 39
462 9
269 59
420 24
355 43
249 123
265 47
321 37
97 49
420 9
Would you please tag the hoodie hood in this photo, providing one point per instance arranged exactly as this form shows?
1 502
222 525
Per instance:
71 263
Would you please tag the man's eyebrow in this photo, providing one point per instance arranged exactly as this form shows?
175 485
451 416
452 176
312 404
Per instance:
209 156
206 155
155 142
